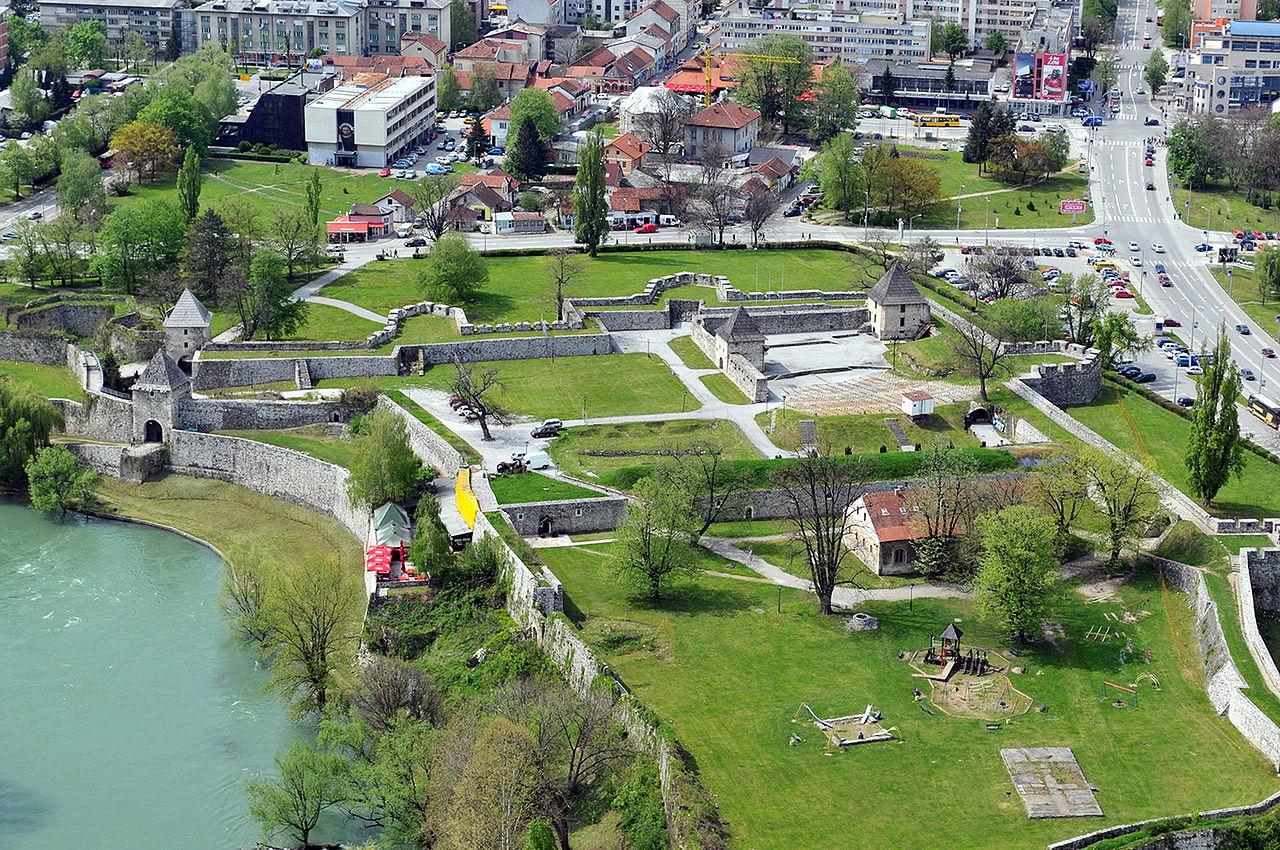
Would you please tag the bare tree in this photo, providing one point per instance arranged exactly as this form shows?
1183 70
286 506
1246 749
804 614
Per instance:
981 350
473 387
565 267
762 204
388 687
915 258
663 127
944 505
675 195
998 273
713 487
712 204
431 201
242 603
817 490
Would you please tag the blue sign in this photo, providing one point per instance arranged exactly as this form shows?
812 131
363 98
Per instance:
1085 86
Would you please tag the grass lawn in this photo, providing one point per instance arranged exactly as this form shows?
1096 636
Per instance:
867 432
269 186
1242 286
310 439
689 353
935 357
727 670
1158 438
1230 210
724 389
518 286
789 555
751 528
535 487
595 452
1009 210
48 381
462 446
603 385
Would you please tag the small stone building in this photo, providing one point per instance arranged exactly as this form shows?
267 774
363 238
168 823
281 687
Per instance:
187 328
158 396
739 334
898 310
882 529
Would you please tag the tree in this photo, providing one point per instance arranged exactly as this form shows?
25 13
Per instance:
775 87
24 36
642 816
996 43
537 106
564 268
189 179
590 209
1106 72
79 187
264 299
540 836
478 144
135 49
663 125
653 542
761 205
980 350
1023 319
476 389
945 504
1267 273
953 40
431 201
712 487
526 152
309 783
454 271
27 100
888 86
188 118
1123 493
1016 569
496 794
462 24
312 189
243 602
835 103
137 240
448 94
1085 299
484 87
63 240
907 186
1061 484
385 467
1176 30
311 609
209 251
817 490
1000 274
293 235
145 148
712 204
841 176
26 421
87 43
1093 32
1189 157
28 253
1215 449
56 480
173 45
1156 72
1114 334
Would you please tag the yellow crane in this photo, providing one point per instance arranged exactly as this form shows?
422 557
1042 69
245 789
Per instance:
706 62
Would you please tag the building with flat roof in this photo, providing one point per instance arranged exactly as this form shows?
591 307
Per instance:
154 20
370 126
979 18
270 31
924 84
833 31
1238 69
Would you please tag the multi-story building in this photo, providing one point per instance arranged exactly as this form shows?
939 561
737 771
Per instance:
980 18
4 36
1235 70
727 127
154 20
832 32
268 31
924 84
370 126
1236 10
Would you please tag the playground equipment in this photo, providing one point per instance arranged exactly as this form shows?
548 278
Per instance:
948 655
1119 701
848 731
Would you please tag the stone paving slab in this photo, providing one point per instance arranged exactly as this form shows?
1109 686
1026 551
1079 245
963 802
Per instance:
1050 782
875 392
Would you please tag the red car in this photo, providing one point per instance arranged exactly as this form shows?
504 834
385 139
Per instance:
386 172
647 228
1267 352
1123 293
1172 323
1101 240
1237 235
1149 161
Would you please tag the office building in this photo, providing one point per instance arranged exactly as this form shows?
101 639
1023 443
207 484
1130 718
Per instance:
833 32
924 84
370 126
1235 70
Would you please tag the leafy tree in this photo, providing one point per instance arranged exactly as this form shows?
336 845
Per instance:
188 118
953 40
526 152
26 421
1025 319
57 481
79 187
888 86
1176 31
496 795
1189 156
24 36
1106 71
642 817
27 100
313 190
478 144
145 148
87 43
653 541
1124 494
448 94
540 836
1057 151
454 270
137 240
1061 485
17 167
774 87
1267 273
1215 449
996 42
835 103
946 502
590 209
841 175
209 251
385 468
173 45
1016 569
484 87
217 94
1114 334
1156 72
189 179
264 300
537 106
462 24
1085 300
311 608
309 783
135 49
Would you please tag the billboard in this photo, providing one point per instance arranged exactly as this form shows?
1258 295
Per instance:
1071 207
1053 76
1040 76
1024 76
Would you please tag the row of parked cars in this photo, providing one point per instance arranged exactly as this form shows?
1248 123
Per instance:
1071 250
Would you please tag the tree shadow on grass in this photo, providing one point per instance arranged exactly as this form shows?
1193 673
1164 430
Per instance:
693 597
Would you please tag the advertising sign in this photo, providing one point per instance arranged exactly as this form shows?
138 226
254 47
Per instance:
1071 207
1053 76
1024 76
346 130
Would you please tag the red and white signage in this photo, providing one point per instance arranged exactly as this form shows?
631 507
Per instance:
1071 207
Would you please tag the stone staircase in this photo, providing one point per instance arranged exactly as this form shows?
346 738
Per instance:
302 375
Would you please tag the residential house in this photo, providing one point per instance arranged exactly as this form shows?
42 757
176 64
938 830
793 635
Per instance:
497 123
462 219
426 46
398 203
496 179
882 530
545 12
570 88
606 72
348 67
628 151
726 126
661 14
775 173
363 223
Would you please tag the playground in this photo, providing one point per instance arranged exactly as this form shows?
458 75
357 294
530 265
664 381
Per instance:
967 681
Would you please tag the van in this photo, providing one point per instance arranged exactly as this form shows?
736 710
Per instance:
1099 265
1083 167
668 221
1054 128
404 230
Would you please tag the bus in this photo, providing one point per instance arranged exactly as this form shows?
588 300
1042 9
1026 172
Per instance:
1265 409
935 120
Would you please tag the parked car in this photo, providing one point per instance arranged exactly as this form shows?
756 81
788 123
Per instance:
1123 293
793 211
648 227
385 172
1130 371
35 215
543 432
1186 401
1101 240
1172 323
1145 378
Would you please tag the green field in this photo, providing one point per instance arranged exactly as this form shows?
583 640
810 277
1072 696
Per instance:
535 487
310 439
48 381
724 389
867 432
935 357
689 353
519 287
788 554
727 671
595 452
1009 210
1158 438
1230 211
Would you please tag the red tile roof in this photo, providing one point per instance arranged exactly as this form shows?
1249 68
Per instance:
631 145
479 50
399 197
563 102
727 115
893 515
624 200
427 40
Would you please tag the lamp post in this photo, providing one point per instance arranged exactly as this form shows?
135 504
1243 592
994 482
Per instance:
1209 225
958 208
986 220
911 227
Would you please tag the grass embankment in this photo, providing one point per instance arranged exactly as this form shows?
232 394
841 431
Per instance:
48 381
727 670
313 440
1158 438
935 357
463 448
724 389
535 487
689 353
600 452
1242 286
1230 211
867 432
518 287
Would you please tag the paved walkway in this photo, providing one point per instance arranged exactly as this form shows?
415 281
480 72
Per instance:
350 308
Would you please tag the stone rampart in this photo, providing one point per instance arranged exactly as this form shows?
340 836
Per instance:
747 377
98 417
1068 384
1258 589
103 458
632 320
282 473
426 444
250 415
568 516
78 320
1198 841
29 348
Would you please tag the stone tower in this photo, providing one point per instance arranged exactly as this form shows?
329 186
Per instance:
158 396
187 327
739 334
897 308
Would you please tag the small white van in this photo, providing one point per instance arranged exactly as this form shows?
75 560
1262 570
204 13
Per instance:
668 221
404 230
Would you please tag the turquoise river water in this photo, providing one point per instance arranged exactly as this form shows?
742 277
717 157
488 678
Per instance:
129 718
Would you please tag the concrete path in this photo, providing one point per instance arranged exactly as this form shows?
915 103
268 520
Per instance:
843 597
350 308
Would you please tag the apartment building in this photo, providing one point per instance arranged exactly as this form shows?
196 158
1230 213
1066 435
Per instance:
833 32
154 20
1235 70
1236 10
980 18
369 126
387 21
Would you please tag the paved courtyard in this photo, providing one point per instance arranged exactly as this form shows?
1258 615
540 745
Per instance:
864 392
1050 782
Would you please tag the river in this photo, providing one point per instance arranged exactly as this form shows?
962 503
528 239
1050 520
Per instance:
128 715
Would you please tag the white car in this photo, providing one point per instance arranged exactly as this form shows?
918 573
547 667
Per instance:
1135 261
1157 247
1133 247
1195 370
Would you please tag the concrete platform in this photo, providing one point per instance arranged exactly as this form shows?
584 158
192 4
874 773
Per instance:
1050 782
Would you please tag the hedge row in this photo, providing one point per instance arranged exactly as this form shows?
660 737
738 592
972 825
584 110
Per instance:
255 157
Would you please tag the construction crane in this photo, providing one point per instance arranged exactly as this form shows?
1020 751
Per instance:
706 61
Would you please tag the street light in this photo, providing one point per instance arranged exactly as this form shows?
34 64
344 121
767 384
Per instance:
1209 225
958 208
911 226
986 220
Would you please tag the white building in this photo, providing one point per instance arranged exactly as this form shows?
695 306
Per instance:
369 126
1236 70
154 20
980 18
832 31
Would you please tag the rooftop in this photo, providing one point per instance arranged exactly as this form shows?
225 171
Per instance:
728 115
376 98
162 374
188 312
895 287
